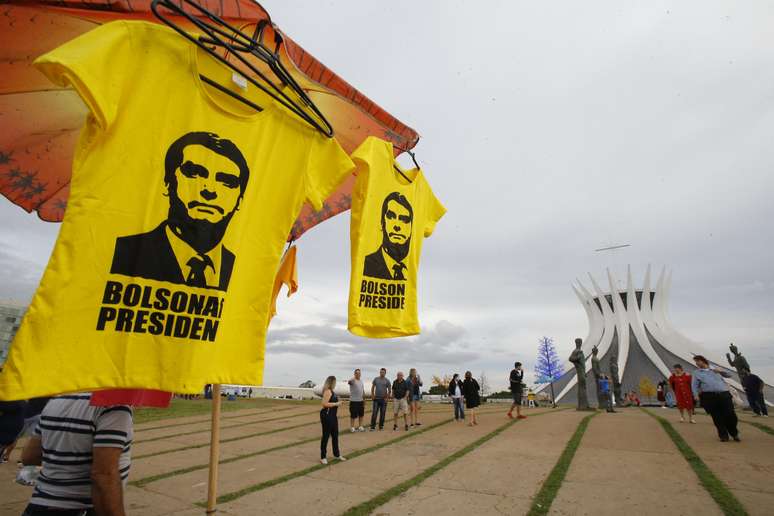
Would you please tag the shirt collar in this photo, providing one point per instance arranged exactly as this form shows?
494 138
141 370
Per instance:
184 252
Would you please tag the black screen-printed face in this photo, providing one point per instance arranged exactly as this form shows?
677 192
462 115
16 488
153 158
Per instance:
207 184
397 223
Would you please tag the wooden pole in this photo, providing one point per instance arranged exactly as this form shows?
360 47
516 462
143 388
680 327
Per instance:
212 483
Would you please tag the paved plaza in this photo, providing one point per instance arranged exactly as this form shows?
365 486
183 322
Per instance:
625 463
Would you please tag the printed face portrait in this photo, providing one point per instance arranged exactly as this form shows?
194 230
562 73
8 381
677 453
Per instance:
207 184
396 223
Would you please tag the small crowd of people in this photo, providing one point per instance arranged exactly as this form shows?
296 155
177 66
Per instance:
405 394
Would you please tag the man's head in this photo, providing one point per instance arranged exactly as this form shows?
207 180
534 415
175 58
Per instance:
517 365
397 220
206 177
357 374
400 375
701 362
678 369
382 372
578 343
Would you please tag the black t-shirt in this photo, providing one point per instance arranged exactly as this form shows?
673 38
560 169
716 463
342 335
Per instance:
399 389
516 377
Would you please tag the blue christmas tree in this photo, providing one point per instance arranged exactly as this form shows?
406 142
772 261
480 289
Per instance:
548 367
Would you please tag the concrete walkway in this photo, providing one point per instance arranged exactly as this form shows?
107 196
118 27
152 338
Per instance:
747 468
500 477
332 491
626 464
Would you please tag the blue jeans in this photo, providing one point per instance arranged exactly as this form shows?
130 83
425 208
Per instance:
379 406
459 411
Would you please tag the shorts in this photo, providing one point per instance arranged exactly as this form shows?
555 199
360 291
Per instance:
400 405
416 397
356 409
516 396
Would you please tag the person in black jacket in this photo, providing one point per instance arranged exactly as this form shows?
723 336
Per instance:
455 393
517 376
470 390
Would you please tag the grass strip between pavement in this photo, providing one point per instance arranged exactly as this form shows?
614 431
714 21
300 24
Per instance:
759 426
369 506
550 488
161 476
230 497
238 438
716 488
207 420
237 425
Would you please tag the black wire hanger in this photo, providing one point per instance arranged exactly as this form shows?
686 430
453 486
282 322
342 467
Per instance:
218 32
413 158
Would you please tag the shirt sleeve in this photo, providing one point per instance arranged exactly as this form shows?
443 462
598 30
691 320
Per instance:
327 167
695 385
435 210
96 65
114 427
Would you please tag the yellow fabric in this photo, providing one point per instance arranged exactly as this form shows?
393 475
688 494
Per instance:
103 313
381 304
287 275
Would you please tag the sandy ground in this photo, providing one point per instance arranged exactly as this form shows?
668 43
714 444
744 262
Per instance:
747 467
626 464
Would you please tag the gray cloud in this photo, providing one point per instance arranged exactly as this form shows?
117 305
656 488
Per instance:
548 132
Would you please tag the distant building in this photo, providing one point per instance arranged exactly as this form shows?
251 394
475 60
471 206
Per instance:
10 319
632 326
309 384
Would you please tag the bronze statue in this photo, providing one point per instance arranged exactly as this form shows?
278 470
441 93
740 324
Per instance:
579 361
614 379
597 372
739 362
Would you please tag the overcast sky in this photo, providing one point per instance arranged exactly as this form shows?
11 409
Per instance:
548 131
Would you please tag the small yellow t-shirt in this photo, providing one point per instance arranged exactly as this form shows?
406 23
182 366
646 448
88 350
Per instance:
390 218
287 275
180 204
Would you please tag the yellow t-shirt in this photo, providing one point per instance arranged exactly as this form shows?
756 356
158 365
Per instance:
287 275
390 217
180 202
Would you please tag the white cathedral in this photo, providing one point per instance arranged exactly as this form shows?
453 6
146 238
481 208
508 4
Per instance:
633 324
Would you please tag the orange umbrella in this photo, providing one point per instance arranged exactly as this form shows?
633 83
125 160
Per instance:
41 122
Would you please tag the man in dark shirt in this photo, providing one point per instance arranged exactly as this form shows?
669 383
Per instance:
400 389
517 375
753 387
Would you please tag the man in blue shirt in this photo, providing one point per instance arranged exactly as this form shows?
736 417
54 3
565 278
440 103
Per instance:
604 390
708 385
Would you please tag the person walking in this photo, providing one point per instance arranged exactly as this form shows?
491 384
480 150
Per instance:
455 393
680 382
400 394
707 384
380 393
356 402
517 375
753 387
470 390
530 398
415 395
604 390
329 420
661 393
85 453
